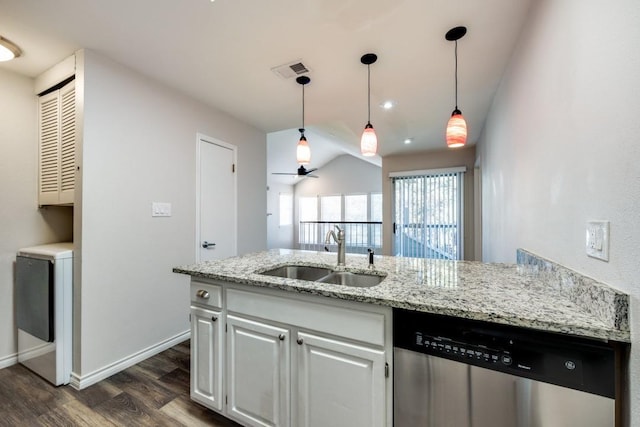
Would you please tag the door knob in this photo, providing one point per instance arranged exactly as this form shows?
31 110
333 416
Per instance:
208 245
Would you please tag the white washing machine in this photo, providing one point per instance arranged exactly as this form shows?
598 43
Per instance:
44 298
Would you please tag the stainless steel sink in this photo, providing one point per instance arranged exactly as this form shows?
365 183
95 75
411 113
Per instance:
301 272
325 275
347 278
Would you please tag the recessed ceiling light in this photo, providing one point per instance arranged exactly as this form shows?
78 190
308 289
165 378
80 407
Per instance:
408 141
8 50
387 105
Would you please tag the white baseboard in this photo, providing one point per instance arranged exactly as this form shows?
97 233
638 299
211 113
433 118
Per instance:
79 382
9 360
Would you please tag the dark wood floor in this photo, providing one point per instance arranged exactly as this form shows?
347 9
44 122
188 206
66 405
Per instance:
154 392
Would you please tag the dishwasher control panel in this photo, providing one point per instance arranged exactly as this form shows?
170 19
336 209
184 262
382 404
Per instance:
569 361
464 350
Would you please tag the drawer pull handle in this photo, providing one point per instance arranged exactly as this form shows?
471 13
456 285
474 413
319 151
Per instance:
214 318
202 294
299 341
281 337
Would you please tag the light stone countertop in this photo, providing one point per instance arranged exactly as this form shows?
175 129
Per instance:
535 293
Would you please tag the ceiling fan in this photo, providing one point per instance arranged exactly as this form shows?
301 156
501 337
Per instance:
302 171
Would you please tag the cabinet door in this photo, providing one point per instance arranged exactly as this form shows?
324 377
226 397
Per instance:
206 357
57 146
49 149
67 142
339 383
258 369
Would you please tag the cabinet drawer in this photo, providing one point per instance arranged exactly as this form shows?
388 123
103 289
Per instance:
206 294
349 323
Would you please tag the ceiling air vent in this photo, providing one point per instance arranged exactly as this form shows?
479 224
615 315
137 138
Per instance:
290 69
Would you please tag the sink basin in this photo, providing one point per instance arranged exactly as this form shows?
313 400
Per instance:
301 272
347 278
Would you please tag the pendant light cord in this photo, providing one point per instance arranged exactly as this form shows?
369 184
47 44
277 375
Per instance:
369 93
456 56
302 108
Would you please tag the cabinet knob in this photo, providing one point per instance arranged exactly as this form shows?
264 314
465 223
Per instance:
214 318
281 337
299 341
202 294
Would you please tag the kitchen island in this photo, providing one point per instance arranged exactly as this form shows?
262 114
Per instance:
523 294
270 350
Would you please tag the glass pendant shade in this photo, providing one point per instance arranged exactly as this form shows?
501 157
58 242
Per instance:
303 152
369 141
456 130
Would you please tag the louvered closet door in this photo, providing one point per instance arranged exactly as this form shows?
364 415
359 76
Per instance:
49 179
67 142
57 146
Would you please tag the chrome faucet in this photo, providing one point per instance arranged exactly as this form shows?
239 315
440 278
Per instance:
339 239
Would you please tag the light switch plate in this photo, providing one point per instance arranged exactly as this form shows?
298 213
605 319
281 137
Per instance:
160 209
598 239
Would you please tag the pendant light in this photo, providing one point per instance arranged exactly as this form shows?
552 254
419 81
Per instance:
457 126
303 152
369 140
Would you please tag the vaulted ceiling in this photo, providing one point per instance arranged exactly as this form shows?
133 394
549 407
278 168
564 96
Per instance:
222 52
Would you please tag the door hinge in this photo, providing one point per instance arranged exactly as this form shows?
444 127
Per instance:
386 370
394 228
233 168
189 317
226 400
225 327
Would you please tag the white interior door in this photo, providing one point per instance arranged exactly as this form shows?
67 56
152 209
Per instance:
216 220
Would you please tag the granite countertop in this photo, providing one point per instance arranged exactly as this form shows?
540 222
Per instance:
535 293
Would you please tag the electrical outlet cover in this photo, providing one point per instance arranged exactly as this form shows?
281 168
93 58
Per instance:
597 243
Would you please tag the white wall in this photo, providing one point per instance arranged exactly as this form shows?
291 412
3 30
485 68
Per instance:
560 147
139 142
22 224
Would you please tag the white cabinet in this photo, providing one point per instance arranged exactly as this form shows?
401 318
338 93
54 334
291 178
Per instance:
207 345
206 356
293 360
258 373
339 383
57 146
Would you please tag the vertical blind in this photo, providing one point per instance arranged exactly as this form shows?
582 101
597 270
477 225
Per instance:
428 214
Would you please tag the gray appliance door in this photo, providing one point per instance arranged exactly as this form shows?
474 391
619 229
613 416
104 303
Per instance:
34 297
434 392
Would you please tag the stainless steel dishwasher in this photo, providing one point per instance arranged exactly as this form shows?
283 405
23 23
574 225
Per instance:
451 372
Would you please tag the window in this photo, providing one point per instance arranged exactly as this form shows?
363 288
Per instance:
355 207
308 211
355 215
376 206
286 209
428 214
359 214
330 208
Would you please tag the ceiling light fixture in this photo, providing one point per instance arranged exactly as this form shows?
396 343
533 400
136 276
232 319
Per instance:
457 126
303 152
8 50
407 141
369 140
387 105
